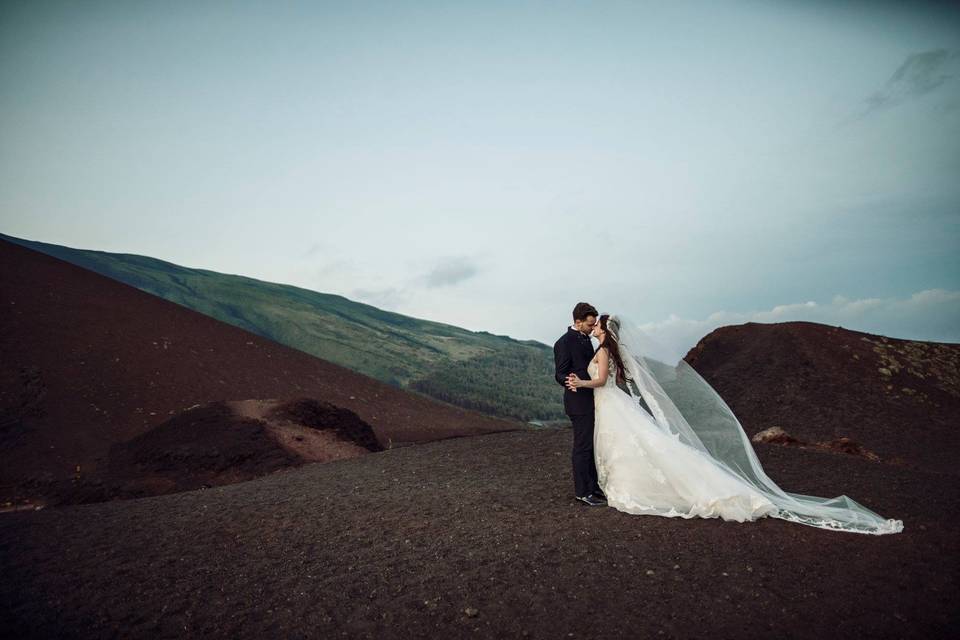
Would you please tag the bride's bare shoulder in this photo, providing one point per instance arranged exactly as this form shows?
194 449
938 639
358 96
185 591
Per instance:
601 355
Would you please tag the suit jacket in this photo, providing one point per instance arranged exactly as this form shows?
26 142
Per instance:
572 353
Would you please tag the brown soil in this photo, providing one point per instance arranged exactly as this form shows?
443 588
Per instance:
89 362
898 398
222 443
776 435
480 537
466 537
310 430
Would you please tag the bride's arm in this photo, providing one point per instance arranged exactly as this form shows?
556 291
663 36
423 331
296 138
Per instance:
603 366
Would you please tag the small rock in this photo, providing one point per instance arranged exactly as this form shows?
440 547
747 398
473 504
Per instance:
650 572
471 612
774 435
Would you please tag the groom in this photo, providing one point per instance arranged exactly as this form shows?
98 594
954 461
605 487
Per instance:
572 353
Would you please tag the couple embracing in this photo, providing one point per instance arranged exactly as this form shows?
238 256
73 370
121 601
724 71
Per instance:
651 438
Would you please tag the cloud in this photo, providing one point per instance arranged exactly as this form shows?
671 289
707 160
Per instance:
387 298
451 271
315 249
932 314
920 74
392 290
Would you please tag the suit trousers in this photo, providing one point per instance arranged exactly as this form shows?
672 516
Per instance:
584 465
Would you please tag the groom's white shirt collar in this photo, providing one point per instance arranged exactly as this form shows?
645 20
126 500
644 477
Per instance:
573 328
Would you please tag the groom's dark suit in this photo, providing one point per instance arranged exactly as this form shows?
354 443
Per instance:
572 353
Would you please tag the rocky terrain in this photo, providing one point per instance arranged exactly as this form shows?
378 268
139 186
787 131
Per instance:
898 398
225 442
89 362
225 486
443 361
479 537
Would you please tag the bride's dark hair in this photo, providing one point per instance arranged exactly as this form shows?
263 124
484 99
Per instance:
613 348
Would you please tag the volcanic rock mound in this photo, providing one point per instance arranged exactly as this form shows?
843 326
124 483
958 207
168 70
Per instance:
226 442
323 416
898 398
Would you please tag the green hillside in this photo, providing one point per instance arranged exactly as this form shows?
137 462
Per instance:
478 370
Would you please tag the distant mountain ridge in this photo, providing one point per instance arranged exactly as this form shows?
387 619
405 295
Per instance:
442 361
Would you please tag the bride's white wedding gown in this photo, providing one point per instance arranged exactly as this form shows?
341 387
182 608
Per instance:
668 445
644 470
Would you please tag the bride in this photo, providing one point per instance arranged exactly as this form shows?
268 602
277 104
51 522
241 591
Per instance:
666 444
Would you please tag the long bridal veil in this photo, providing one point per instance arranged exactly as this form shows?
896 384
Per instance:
687 408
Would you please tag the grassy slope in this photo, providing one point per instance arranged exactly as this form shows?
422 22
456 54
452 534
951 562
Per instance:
455 365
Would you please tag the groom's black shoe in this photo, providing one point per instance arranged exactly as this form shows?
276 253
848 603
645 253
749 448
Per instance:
591 500
599 495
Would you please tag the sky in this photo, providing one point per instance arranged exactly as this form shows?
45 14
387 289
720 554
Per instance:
489 164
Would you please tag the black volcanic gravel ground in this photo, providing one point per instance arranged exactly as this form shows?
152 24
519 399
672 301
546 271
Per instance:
480 537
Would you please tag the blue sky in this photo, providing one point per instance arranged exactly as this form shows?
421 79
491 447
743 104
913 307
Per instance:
490 164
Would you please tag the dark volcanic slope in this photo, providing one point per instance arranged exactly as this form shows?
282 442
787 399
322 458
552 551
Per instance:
446 362
898 398
89 361
400 543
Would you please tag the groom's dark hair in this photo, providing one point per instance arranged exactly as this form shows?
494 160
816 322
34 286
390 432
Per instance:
582 310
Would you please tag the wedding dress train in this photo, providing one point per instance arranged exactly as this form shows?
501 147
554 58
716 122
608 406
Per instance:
667 444
642 470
